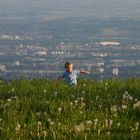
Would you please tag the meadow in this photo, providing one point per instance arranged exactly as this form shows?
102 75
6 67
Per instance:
40 109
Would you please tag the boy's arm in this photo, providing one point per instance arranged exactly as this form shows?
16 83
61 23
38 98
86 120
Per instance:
84 72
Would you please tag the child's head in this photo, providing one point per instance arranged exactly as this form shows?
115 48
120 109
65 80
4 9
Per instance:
68 66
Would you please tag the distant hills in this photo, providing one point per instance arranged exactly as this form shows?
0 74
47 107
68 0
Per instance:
52 9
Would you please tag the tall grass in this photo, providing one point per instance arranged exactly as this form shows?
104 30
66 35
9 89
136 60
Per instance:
44 109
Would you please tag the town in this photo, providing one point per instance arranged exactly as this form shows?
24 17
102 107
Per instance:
25 55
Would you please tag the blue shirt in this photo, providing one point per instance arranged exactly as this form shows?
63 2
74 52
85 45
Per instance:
71 78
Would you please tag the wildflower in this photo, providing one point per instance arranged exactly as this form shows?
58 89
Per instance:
130 98
84 85
110 123
136 105
79 128
83 92
59 109
49 120
106 84
126 92
108 133
80 112
76 101
59 123
0 119
38 114
47 102
51 123
83 105
97 97
124 107
89 122
99 131
12 90
39 123
18 128
118 124
82 98
114 109
44 133
15 97
55 93
135 99
124 96
106 123
72 96
9 100
71 103
44 90
136 126
95 121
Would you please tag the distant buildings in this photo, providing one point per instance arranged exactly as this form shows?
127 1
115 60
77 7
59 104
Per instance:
112 43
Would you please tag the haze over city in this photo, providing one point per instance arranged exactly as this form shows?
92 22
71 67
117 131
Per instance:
38 37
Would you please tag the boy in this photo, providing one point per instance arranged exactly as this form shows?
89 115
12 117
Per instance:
70 75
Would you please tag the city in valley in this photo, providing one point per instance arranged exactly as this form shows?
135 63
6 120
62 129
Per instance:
107 47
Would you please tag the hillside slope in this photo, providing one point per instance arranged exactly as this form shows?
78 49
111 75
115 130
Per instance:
43 109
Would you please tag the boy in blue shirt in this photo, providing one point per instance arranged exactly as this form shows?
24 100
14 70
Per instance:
70 75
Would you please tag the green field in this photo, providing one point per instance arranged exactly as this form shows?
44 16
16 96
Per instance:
51 110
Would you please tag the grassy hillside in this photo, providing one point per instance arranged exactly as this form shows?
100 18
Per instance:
42 109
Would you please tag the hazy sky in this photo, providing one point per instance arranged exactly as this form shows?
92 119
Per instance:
66 8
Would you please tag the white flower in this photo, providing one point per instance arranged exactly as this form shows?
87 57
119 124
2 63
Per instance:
18 127
39 123
44 133
83 92
95 121
79 128
99 131
59 123
72 96
106 123
80 112
15 97
9 100
83 105
59 109
76 101
82 98
124 107
38 114
106 84
84 85
97 97
110 123
71 103
118 124
89 122
49 120
135 99
114 109
108 133
51 123
12 90
55 93
124 96
136 105
126 92
130 98
45 90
